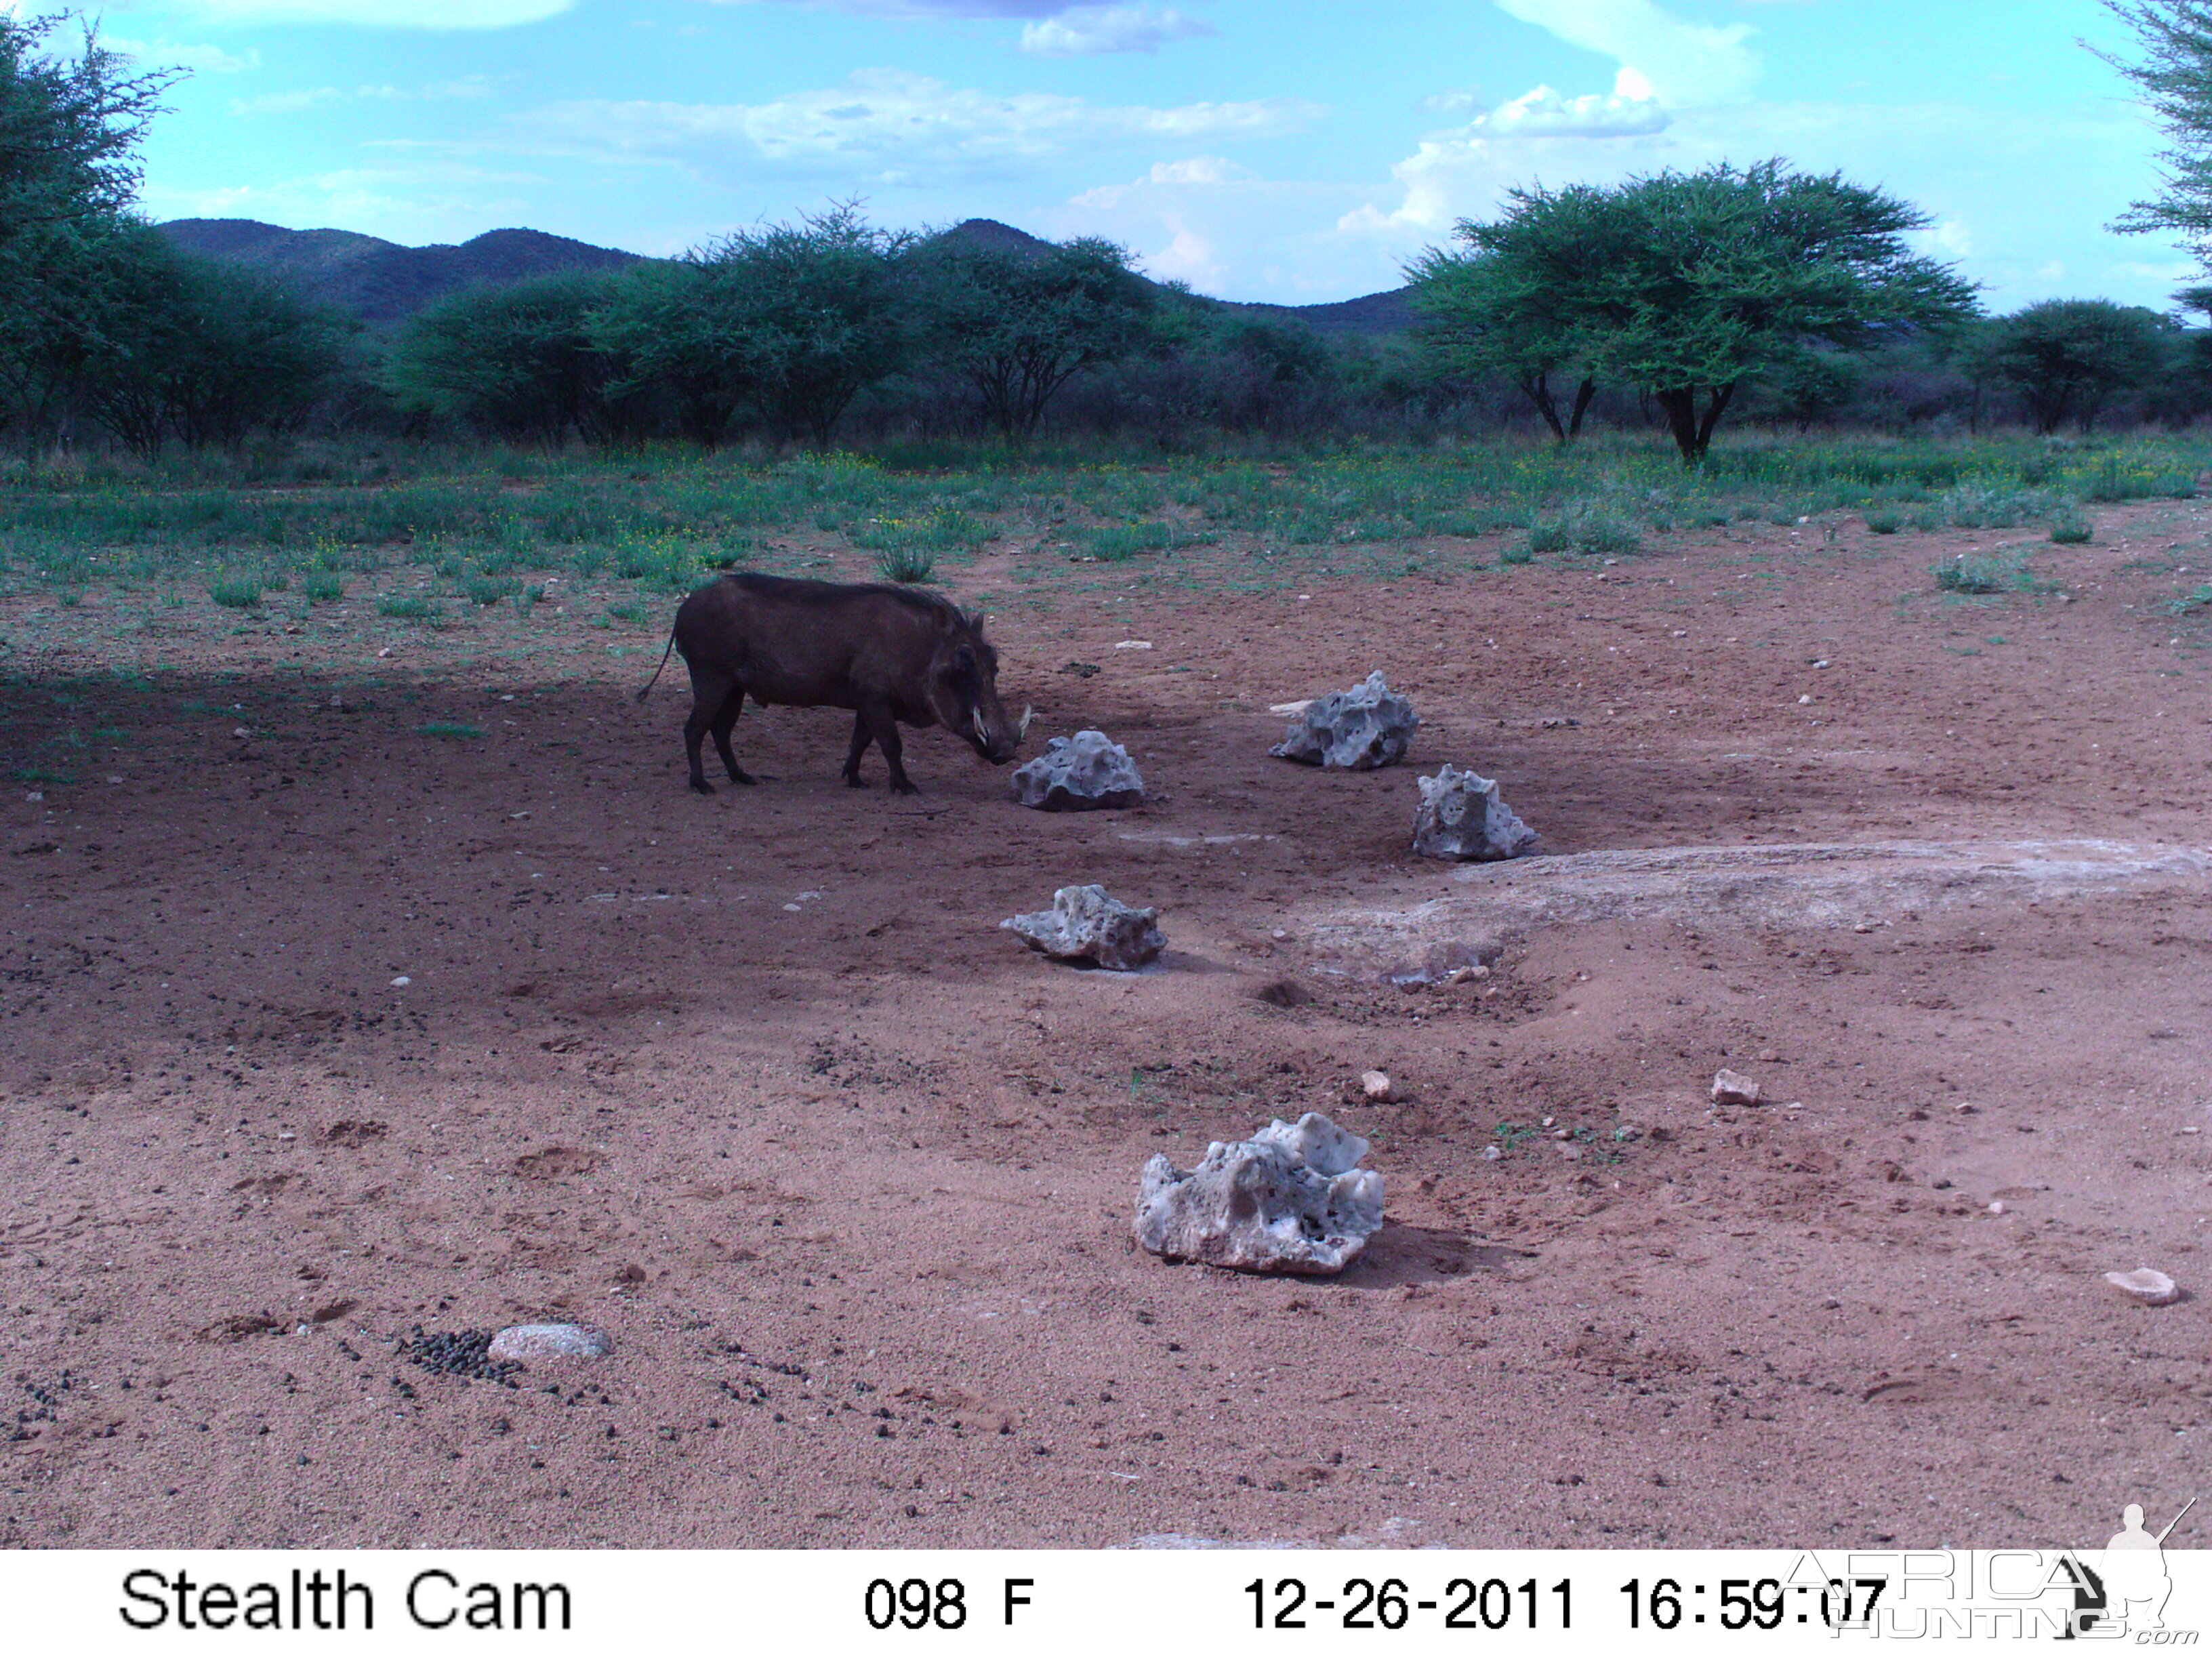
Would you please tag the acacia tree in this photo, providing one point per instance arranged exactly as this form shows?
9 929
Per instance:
810 312
679 328
1689 284
2176 80
2069 358
1018 323
70 129
520 361
1503 307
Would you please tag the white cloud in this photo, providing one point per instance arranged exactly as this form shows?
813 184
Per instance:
1199 170
1543 113
287 103
438 14
1660 56
214 59
1087 31
886 126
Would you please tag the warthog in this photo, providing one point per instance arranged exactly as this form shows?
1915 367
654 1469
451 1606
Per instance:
890 654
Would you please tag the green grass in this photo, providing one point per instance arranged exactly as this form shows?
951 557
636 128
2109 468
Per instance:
2071 526
906 564
452 729
238 592
1966 573
491 526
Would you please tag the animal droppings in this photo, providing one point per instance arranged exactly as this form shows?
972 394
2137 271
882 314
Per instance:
1290 1200
2146 1285
1734 1089
1085 925
1361 729
458 1353
1080 773
1460 816
537 1343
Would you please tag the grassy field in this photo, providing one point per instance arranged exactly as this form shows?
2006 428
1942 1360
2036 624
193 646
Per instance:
431 539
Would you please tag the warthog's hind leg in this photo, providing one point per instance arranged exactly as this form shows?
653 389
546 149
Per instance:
861 739
712 708
724 721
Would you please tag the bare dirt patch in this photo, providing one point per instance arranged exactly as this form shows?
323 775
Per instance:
323 1023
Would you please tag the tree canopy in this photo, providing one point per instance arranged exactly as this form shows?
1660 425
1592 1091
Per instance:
1017 323
2176 80
2069 358
1687 284
70 129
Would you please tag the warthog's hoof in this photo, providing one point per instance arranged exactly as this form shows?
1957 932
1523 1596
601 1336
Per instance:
904 786
700 786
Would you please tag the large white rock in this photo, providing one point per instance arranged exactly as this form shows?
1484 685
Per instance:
1460 816
1085 925
1080 773
1363 728
1289 1200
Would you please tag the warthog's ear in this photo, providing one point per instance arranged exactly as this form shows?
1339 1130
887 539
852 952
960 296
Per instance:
964 658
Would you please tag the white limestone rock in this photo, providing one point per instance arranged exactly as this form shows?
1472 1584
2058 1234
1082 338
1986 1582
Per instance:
1085 925
1363 728
1289 1200
1079 774
1460 816
1734 1089
2146 1285
537 1343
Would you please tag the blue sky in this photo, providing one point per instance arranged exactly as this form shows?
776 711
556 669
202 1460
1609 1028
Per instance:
1263 149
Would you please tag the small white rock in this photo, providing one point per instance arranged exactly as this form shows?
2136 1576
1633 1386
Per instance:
1806 699
1492 1154
1997 1206
528 1343
1376 1085
2146 1285
1133 645
35 795
240 732
1734 1089
401 982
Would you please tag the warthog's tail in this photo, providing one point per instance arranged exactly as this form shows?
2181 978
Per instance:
655 680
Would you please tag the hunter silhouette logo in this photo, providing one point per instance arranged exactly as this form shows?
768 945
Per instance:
2134 1582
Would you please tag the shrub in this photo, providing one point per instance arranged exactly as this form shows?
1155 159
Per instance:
907 563
1882 522
1965 573
447 729
409 607
487 590
240 592
2070 527
322 586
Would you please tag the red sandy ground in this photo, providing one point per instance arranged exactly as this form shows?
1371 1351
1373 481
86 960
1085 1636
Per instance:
756 1084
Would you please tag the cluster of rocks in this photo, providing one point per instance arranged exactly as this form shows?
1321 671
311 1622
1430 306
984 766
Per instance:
1291 1200
1461 816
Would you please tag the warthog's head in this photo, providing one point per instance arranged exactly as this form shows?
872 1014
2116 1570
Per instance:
963 692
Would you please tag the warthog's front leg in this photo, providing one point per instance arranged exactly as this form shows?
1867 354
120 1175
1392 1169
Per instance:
876 721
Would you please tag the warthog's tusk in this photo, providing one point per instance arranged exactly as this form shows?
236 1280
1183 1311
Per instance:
1023 729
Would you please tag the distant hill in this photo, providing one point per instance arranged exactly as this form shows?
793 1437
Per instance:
382 283
1390 312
